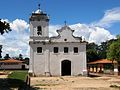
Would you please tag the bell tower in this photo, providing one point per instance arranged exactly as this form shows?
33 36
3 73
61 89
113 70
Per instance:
39 24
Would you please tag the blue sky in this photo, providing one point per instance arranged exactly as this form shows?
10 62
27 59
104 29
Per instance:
95 20
73 11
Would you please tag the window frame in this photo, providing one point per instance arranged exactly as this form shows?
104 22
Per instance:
66 50
39 51
56 50
39 30
74 49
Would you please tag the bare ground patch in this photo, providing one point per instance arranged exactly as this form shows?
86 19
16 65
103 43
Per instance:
75 83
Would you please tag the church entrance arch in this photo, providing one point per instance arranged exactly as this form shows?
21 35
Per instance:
65 67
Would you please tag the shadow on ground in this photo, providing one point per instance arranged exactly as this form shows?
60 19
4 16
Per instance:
93 75
10 84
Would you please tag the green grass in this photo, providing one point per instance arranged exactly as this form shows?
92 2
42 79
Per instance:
21 75
17 78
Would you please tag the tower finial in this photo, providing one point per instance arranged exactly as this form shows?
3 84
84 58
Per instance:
39 6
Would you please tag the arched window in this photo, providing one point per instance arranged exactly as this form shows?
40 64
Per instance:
39 30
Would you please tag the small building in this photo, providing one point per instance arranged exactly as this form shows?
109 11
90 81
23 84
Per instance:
103 66
12 64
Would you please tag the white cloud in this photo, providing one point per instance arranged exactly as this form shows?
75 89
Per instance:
2 38
81 30
88 32
16 41
111 16
19 25
4 20
52 30
92 33
99 35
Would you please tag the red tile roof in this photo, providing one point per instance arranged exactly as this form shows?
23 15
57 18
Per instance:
11 61
102 61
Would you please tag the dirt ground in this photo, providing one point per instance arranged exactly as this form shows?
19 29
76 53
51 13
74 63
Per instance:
3 76
76 83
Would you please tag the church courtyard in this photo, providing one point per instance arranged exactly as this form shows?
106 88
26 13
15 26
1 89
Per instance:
76 83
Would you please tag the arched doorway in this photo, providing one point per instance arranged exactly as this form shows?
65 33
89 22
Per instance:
65 67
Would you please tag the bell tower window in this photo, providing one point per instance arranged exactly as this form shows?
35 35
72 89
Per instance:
39 49
39 30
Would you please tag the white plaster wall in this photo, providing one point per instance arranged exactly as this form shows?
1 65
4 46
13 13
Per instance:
35 24
39 60
77 60
65 33
19 66
31 64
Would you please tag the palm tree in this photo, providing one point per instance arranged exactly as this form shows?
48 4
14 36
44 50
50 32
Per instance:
4 27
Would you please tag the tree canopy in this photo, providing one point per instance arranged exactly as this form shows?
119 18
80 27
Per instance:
0 51
7 57
4 27
92 54
96 52
20 57
113 52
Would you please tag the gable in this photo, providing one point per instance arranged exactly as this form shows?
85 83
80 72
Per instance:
65 34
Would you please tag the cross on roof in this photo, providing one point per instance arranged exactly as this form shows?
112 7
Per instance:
65 22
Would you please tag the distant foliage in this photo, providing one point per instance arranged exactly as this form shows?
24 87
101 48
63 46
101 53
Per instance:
27 60
96 52
0 51
113 52
6 57
92 52
20 57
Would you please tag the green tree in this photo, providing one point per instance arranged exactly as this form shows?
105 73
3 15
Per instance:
102 50
117 36
113 52
0 51
4 27
20 57
103 47
7 57
92 52
27 60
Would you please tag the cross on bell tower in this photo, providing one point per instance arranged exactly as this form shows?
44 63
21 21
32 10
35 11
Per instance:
39 6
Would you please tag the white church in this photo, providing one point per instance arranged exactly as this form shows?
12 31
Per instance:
61 55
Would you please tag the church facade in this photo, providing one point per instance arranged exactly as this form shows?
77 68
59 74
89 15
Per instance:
62 55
